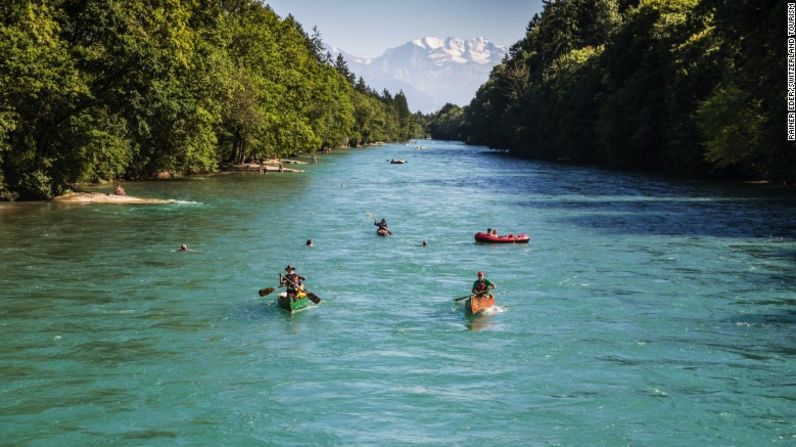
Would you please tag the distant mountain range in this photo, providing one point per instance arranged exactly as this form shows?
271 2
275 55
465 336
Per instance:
430 71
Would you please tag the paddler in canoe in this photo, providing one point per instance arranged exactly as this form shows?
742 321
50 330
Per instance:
482 285
481 299
382 230
296 297
293 282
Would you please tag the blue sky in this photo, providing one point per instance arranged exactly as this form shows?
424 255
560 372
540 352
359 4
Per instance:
368 27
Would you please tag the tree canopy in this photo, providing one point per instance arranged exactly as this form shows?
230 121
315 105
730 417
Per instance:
685 86
100 89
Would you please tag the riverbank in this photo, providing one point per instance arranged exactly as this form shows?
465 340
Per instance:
96 197
267 166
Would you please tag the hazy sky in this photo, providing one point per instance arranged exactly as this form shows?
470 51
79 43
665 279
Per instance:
368 27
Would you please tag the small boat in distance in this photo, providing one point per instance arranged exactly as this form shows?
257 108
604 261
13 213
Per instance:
397 161
291 305
382 232
521 238
476 304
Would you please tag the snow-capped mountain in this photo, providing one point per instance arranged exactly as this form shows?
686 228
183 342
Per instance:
431 71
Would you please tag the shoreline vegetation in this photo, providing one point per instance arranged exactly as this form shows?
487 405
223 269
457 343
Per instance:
74 195
93 92
686 87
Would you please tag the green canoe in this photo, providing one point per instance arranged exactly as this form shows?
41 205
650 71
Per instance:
291 305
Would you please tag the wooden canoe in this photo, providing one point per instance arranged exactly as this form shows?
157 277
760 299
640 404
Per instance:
477 304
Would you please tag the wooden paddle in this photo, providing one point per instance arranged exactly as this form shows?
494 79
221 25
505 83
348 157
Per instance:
313 297
266 291
486 292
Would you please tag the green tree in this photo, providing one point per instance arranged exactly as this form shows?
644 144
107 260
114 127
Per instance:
679 85
99 89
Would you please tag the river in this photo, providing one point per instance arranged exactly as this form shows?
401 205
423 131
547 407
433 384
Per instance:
645 310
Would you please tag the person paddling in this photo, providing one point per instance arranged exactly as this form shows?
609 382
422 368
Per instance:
293 281
382 226
119 191
482 285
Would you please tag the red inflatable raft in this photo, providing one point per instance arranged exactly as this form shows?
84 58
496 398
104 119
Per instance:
505 239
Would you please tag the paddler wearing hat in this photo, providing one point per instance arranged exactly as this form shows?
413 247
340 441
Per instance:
292 281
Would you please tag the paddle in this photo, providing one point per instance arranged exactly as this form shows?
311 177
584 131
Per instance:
485 292
313 297
266 291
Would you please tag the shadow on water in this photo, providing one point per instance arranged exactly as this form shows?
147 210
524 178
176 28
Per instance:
257 309
477 323
785 317
457 315
767 253
116 352
626 203
267 310
690 217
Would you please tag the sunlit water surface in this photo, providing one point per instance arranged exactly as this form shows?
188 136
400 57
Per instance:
645 311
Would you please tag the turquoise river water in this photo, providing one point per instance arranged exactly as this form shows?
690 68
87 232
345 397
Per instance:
646 311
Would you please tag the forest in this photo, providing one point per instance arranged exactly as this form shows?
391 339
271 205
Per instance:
95 90
688 87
